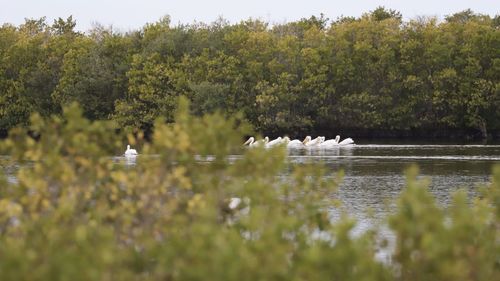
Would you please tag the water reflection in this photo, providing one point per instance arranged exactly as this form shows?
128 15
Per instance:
126 160
336 151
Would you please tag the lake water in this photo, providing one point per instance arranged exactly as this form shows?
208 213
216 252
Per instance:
374 175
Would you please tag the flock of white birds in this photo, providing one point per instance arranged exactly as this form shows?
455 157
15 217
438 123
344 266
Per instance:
308 142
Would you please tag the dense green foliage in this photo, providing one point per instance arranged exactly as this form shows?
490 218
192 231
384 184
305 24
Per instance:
375 72
73 214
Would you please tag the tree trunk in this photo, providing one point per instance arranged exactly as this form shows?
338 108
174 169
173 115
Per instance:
482 128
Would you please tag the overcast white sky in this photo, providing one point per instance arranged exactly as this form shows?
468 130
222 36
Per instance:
125 15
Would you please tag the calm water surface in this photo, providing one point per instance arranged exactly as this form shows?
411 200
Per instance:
374 174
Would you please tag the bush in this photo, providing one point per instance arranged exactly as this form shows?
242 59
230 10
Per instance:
74 214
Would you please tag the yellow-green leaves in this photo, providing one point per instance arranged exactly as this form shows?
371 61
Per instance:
433 245
75 212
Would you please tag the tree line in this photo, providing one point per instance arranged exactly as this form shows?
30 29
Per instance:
375 74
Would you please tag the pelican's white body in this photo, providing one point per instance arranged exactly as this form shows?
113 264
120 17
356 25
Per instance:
336 142
274 142
347 141
252 143
313 143
293 143
330 143
130 152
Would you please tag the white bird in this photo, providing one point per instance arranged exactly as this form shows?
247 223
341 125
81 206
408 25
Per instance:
249 141
336 142
274 142
252 143
330 143
314 142
293 143
130 152
347 141
261 142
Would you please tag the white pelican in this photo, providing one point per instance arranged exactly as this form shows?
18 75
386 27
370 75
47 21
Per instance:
346 141
252 143
306 140
336 142
261 142
314 142
274 142
330 143
130 152
249 141
293 143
